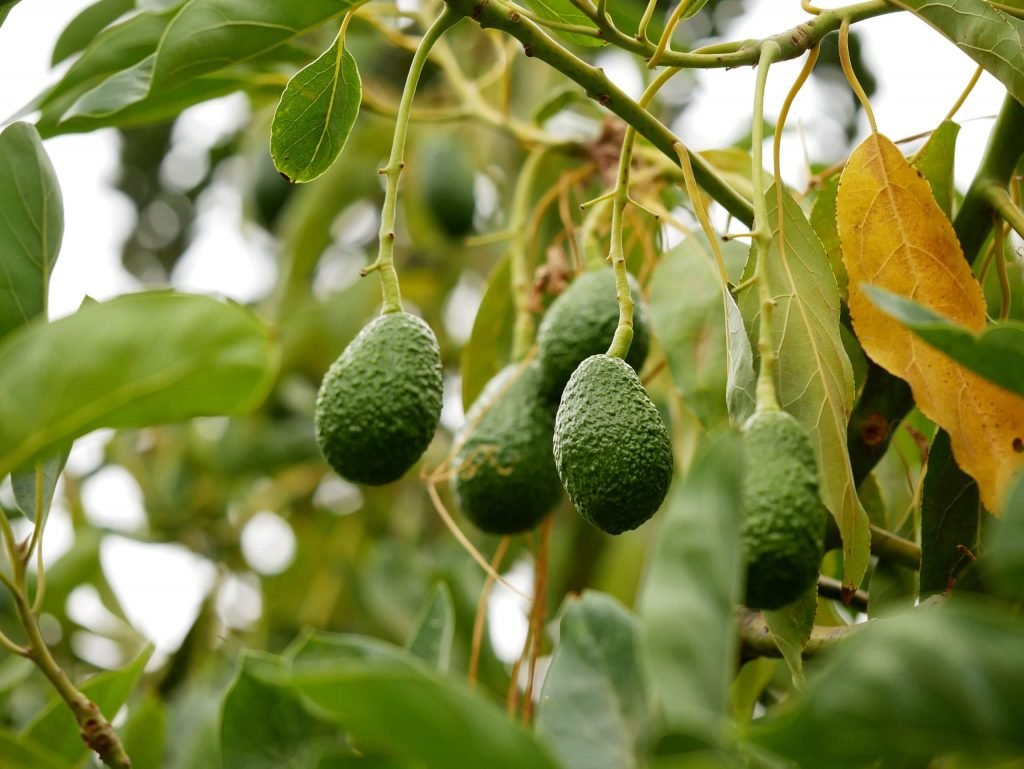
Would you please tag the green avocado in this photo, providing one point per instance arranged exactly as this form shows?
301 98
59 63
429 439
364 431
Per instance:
783 516
447 185
380 402
611 446
581 322
503 475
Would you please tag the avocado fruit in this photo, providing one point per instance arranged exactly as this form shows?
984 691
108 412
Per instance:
447 183
611 446
581 322
784 519
380 401
503 475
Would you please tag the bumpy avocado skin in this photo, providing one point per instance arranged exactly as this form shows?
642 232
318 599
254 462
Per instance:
503 475
581 322
380 402
783 516
611 446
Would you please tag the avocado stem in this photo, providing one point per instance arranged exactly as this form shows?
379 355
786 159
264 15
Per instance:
385 263
620 198
524 327
767 398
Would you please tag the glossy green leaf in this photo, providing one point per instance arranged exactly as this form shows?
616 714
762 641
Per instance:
315 116
265 725
814 375
1003 560
19 753
401 709
33 486
791 628
994 39
936 680
749 685
116 48
145 733
997 353
564 12
31 226
81 30
935 161
208 35
490 343
56 728
431 639
950 515
593 708
116 92
692 333
691 588
137 360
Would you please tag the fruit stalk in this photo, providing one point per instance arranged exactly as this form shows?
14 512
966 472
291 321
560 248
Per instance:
524 328
767 398
620 197
385 263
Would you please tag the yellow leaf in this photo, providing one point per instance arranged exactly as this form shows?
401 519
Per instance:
894 235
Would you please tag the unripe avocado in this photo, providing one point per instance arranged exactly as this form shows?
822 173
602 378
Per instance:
611 446
783 516
380 402
503 474
447 184
581 322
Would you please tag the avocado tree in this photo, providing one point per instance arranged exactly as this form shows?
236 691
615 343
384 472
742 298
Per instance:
740 472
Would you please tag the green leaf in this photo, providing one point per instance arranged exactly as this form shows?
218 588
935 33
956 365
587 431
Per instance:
40 477
692 333
688 596
490 342
997 353
994 39
431 639
137 360
57 729
741 381
564 12
399 708
950 515
749 685
823 220
5 8
116 92
19 753
315 116
791 628
932 681
1003 560
81 30
815 378
31 226
145 733
116 48
593 707
265 725
893 589
935 161
208 35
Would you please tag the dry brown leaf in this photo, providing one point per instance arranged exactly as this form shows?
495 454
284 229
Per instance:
894 235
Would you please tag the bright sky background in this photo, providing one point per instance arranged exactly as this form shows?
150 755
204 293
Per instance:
161 586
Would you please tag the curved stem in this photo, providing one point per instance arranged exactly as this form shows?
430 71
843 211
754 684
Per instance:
523 328
385 264
756 639
619 346
767 398
851 76
494 15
